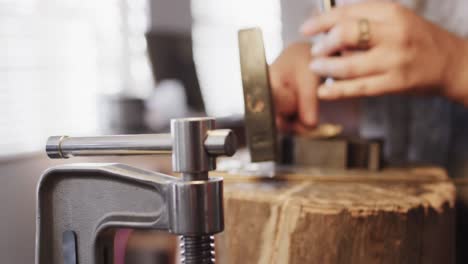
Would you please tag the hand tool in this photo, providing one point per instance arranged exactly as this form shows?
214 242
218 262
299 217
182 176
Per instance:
258 102
79 205
321 147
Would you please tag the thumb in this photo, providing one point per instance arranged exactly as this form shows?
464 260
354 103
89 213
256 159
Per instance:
284 97
307 84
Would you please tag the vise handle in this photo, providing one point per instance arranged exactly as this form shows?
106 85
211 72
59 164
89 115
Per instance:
217 142
193 142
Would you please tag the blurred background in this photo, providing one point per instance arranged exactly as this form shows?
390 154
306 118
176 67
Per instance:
79 66
84 67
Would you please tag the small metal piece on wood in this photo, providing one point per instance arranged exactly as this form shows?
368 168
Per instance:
375 156
322 131
259 109
327 153
365 154
336 153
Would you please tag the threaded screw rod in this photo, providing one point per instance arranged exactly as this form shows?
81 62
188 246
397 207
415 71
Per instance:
197 249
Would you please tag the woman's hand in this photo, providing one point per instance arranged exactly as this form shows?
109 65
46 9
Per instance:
294 89
404 53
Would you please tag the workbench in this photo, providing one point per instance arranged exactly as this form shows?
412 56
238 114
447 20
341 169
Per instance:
393 216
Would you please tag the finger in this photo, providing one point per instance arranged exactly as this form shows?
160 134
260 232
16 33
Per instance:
346 35
282 126
285 100
322 23
358 64
307 84
300 129
376 11
362 87
283 96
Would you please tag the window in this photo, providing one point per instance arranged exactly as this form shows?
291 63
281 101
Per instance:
57 57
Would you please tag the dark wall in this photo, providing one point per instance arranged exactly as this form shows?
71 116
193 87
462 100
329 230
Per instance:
172 58
170 47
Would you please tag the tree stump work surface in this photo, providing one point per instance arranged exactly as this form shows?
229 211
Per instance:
393 216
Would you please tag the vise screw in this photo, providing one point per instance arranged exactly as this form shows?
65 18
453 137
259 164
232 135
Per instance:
79 205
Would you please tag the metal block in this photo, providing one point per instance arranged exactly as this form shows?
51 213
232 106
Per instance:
328 153
336 153
365 154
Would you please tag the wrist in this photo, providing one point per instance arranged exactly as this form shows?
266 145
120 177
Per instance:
455 84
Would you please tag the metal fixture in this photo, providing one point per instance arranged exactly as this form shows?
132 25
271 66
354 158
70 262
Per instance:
78 205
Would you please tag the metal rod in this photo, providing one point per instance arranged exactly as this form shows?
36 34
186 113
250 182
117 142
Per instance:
62 147
197 249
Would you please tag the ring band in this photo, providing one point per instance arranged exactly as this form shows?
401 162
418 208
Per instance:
364 33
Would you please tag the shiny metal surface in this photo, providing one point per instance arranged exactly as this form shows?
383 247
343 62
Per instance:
148 144
221 142
259 109
91 199
196 207
210 142
196 204
53 147
193 205
189 155
197 249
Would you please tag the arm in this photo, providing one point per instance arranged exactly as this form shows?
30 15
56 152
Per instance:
405 53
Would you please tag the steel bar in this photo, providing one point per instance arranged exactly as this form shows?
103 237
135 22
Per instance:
62 147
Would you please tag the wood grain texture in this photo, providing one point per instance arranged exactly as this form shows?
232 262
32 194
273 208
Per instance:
462 220
397 217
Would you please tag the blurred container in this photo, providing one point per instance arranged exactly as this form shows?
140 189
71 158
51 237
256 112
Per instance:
123 114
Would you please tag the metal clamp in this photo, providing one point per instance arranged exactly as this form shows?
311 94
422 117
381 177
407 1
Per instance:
78 204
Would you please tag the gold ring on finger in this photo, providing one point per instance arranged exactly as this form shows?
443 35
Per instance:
364 33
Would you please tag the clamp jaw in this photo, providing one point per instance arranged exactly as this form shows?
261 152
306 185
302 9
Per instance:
78 205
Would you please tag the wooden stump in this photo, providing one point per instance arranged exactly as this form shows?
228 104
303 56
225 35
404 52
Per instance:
462 220
393 216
